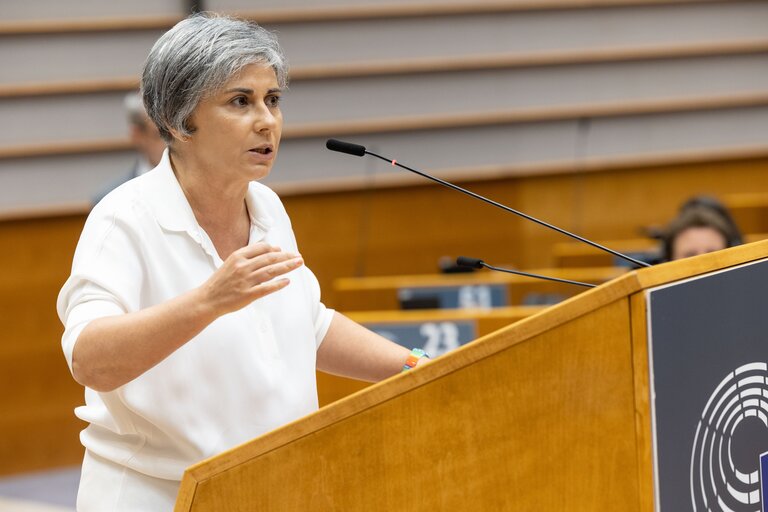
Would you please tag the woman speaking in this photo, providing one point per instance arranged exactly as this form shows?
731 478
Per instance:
189 316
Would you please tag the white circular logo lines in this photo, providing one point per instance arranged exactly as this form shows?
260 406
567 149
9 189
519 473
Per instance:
730 436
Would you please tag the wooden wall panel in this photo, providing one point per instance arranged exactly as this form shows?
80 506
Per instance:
343 233
38 428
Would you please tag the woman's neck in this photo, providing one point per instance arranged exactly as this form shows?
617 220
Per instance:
218 204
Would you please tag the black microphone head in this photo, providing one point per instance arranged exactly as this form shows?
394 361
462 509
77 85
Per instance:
345 147
464 261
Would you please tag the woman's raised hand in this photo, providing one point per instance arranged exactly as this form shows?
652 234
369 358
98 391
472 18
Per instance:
248 274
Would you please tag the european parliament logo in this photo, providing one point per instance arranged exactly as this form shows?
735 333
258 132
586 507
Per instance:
726 472
709 390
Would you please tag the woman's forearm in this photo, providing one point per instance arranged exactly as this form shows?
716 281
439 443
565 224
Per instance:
351 350
112 351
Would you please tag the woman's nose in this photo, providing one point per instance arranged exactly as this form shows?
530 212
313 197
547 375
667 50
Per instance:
265 119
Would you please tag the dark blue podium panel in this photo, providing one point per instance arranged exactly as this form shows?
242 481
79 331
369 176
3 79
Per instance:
454 297
436 338
708 340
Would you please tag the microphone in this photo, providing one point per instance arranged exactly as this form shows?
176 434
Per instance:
358 150
464 261
345 147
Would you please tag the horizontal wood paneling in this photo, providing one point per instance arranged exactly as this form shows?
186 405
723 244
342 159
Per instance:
525 115
434 122
38 120
529 93
58 182
315 43
293 11
429 65
75 56
517 60
520 32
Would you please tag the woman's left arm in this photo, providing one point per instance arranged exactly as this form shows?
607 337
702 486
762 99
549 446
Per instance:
351 350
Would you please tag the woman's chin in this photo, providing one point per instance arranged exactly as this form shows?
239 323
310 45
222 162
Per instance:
259 172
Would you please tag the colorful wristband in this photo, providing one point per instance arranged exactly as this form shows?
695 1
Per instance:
413 358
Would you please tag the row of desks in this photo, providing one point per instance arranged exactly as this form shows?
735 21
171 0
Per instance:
478 289
468 306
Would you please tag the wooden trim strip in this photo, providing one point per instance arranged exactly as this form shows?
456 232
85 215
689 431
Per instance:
642 389
427 9
432 315
702 264
43 212
81 26
310 14
525 115
586 274
429 65
65 148
38 89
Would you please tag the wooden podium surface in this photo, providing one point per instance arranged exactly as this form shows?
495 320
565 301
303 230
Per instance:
331 387
550 413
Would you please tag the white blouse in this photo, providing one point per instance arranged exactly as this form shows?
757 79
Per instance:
245 374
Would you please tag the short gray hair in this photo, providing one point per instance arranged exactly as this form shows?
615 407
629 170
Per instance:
196 58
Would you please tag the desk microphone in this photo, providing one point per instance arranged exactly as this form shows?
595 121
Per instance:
358 150
464 261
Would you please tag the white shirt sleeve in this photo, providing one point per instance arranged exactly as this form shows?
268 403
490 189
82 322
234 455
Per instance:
105 281
321 314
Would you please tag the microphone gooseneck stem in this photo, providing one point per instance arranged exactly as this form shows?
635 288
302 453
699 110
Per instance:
512 210
537 276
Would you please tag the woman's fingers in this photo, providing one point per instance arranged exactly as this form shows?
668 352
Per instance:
277 267
264 289
248 274
263 264
253 250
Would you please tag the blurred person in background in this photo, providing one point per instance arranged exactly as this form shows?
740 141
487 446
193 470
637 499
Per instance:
714 205
698 229
145 138
190 318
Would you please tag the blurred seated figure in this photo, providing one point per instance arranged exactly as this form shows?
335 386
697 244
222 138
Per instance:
713 204
707 202
698 229
145 138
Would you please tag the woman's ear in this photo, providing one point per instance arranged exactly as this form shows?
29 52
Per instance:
178 136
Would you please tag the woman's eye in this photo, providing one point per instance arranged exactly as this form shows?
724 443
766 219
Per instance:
273 101
240 101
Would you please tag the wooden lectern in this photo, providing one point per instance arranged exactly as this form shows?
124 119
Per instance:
553 412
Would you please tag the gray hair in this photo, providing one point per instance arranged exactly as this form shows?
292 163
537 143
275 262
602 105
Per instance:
196 58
